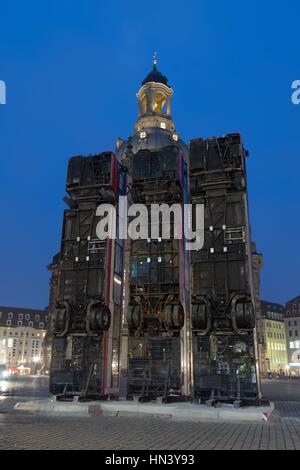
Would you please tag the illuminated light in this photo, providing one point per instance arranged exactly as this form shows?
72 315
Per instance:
159 239
78 239
224 227
225 249
87 258
117 281
211 229
36 359
148 260
143 134
76 259
159 259
212 250
163 125
175 137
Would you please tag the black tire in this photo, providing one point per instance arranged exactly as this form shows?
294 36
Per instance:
99 318
59 318
133 316
200 312
105 319
174 316
244 314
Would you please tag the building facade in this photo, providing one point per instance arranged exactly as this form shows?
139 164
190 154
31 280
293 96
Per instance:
22 333
257 264
292 328
274 337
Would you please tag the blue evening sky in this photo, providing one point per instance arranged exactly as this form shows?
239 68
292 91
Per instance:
72 68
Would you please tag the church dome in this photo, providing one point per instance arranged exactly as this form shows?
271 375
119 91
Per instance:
155 138
156 76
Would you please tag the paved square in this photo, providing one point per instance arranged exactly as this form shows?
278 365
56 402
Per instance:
22 431
29 431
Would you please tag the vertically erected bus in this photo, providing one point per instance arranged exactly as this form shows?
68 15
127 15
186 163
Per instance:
86 321
222 312
157 309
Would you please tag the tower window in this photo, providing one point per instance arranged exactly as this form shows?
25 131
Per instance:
144 105
159 103
143 135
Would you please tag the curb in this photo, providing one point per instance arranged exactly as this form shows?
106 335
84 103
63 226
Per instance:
176 412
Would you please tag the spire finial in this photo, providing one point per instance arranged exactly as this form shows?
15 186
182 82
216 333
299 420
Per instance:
154 59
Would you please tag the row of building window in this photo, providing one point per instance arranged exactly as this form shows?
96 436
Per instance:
277 360
20 323
291 333
294 344
295 323
276 346
12 343
21 316
275 335
294 309
33 353
17 334
276 325
274 316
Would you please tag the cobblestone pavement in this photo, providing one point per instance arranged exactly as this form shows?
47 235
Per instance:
288 409
277 390
21 431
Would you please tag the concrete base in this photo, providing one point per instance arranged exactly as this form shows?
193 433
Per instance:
175 411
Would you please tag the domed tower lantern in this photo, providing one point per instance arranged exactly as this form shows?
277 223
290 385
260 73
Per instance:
154 101
154 128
